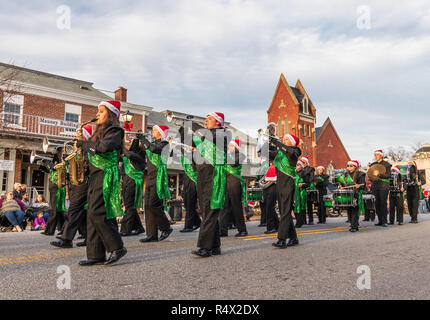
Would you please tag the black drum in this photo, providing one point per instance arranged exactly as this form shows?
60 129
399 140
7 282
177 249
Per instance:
369 202
313 196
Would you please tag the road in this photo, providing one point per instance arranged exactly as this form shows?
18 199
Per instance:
323 266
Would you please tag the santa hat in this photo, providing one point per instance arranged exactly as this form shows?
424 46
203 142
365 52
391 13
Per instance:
236 143
300 163
294 140
271 174
305 160
321 167
164 130
354 163
218 117
379 152
413 163
87 131
396 169
114 106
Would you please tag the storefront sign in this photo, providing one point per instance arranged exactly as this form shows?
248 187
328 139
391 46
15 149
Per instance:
7 165
58 123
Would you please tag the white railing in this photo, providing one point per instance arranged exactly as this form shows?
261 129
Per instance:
26 123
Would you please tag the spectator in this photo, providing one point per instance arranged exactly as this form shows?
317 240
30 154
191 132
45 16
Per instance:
25 199
40 205
39 223
13 209
17 191
23 189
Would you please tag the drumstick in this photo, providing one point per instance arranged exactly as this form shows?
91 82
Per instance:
353 186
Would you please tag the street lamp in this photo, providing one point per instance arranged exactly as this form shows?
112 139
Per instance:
127 116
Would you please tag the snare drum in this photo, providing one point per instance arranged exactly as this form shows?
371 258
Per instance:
313 196
369 202
344 198
328 200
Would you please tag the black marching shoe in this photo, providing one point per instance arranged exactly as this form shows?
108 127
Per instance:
186 230
196 227
391 223
116 255
366 220
202 253
216 251
379 224
353 230
384 225
125 234
139 231
62 244
282 244
270 231
165 234
81 244
91 262
293 242
262 225
149 239
80 237
241 234
46 233
58 237
310 223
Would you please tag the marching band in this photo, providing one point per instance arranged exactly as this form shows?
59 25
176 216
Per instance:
108 179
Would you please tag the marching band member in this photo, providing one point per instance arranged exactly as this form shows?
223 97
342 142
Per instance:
380 189
355 179
414 182
157 184
262 171
235 199
301 199
397 197
211 182
132 189
285 156
104 206
57 198
321 183
270 198
77 211
308 177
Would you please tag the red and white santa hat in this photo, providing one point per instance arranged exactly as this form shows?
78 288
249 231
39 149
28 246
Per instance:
396 169
114 106
300 163
271 174
305 160
379 152
218 117
321 167
294 140
164 130
87 131
413 163
355 163
237 144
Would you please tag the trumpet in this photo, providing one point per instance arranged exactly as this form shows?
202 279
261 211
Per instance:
270 131
183 145
170 117
46 144
34 156
139 132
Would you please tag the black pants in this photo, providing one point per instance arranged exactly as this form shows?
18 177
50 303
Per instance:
233 206
102 234
56 219
270 198
300 218
353 217
396 207
131 220
309 212
76 213
321 208
381 196
263 217
285 191
192 218
413 199
155 218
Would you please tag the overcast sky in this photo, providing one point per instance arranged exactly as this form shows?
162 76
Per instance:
371 76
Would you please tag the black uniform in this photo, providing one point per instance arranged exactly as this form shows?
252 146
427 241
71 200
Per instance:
155 218
308 175
301 216
233 206
396 201
380 190
189 195
131 221
263 205
209 235
413 192
285 187
357 177
77 215
102 234
321 186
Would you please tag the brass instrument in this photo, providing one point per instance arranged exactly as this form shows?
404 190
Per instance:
374 171
183 145
76 160
34 156
265 184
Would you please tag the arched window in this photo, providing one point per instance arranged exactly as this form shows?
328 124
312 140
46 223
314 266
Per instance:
305 105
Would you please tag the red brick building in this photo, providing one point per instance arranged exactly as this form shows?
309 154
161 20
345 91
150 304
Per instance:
293 112
35 105
331 152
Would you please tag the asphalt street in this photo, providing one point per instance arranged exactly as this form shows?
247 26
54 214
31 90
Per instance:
323 266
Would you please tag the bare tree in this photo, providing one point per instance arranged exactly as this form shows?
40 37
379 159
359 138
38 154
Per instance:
8 81
396 154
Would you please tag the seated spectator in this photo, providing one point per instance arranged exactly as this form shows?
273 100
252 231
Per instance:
39 223
26 199
40 205
17 194
13 209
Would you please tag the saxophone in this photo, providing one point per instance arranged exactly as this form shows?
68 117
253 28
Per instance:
76 160
61 170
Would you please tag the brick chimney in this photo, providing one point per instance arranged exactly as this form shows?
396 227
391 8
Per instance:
121 94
